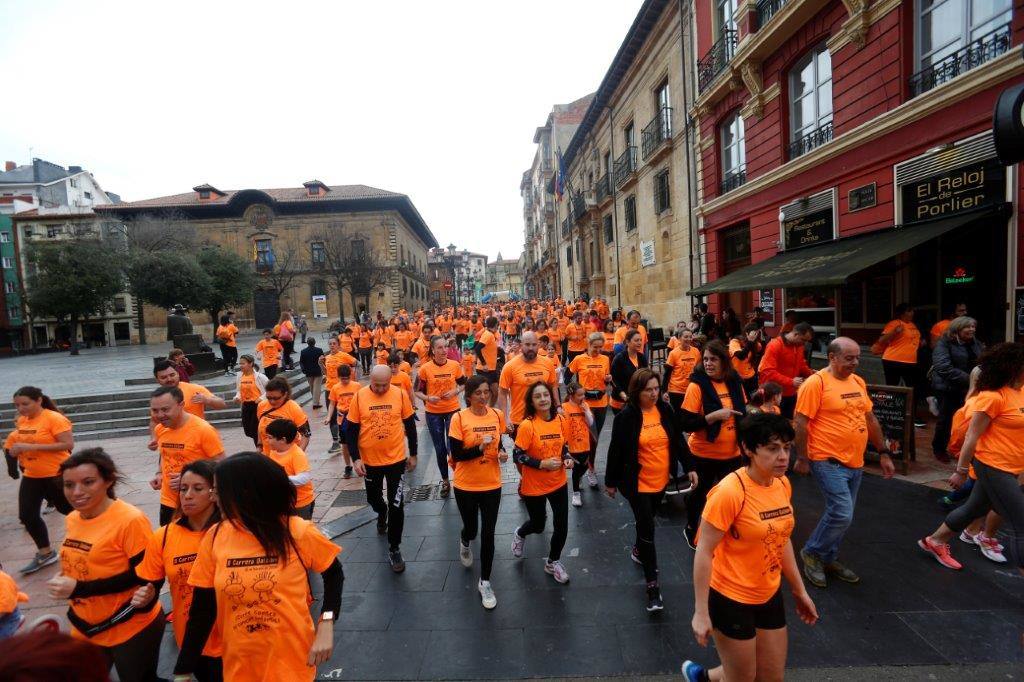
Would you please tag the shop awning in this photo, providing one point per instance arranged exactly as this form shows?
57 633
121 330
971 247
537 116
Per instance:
833 263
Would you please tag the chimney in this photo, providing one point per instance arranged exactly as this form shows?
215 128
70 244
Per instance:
74 169
9 166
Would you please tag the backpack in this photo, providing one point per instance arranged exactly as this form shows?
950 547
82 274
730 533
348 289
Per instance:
286 333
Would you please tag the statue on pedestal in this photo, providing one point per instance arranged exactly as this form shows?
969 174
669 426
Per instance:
178 323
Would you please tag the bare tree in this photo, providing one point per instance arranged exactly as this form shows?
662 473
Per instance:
349 265
278 277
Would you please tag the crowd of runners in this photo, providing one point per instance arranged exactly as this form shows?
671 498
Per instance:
720 420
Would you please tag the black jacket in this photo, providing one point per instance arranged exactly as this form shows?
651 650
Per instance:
622 371
693 421
309 361
952 363
623 467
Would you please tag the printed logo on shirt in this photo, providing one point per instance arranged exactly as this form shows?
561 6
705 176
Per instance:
28 432
173 446
184 559
775 513
251 561
77 544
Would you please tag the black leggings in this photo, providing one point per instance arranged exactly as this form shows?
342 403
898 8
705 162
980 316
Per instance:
644 506
365 357
136 659
332 421
229 354
895 371
31 494
579 468
709 472
251 422
535 507
485 503
995 489
394 507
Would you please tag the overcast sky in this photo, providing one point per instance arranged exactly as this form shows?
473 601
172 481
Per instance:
438 100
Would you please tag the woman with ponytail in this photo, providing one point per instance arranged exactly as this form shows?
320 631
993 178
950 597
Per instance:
40 442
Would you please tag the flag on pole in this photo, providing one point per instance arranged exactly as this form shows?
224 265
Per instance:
560 177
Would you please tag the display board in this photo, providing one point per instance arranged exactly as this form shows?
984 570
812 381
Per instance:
894 408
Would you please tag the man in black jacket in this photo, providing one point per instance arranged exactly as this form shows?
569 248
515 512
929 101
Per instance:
309 361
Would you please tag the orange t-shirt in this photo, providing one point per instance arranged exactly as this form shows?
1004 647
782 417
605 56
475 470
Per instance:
654 454
422 349
488 360
194 440
836 412
170 554
620 335
189 390
468 363
294 461
576 334
403 339
578 438
435 380
903 346
591 373
517 376
381 434
743 367
938 329
748 568
958 432
462 326
725 446
248 390
40 430
262 602
342 395
331 363
553 333
102 547
266 414
609 342
10 595
401 380
346 343
484 472
381 357
682 361
542 440
271 350
1001 445
226 335
365 339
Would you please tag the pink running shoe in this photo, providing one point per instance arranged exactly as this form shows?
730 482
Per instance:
940 552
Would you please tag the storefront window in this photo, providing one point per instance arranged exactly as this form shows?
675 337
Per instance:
816 306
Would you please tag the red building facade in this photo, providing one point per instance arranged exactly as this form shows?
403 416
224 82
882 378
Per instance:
833 134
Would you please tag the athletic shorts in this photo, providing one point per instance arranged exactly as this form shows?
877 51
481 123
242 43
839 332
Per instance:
741 621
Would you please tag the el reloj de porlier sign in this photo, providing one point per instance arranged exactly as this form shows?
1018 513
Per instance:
967 188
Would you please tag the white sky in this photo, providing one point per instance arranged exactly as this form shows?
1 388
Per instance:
438 100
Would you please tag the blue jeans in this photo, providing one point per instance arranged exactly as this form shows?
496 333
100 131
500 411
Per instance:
437 425
839 485
9 623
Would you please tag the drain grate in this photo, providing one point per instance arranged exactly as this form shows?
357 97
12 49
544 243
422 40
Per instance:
350 498
423 493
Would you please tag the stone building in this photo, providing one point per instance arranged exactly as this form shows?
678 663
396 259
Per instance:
271 226
505 275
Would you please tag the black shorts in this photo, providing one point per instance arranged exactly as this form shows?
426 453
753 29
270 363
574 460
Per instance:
490 374
741 621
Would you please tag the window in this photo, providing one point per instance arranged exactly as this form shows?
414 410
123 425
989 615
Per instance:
810 102
317 254
607 163
725 16
735 243
8 263
74 182
5 237
119 305
204 194
358 248
9 287
734 156
946 26
629 208
13 313
317 287
54 231
264 254
628 135
568 256
88 195
661 192
609 232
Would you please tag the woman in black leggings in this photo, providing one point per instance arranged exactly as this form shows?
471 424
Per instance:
475 444
646 447
40 441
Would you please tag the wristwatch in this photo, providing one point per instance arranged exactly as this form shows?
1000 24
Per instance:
326 615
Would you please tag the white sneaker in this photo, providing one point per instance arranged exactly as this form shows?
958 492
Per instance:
933 405
465 554
487 597
557 571
517 544
577 500
966 537
591 478
991 549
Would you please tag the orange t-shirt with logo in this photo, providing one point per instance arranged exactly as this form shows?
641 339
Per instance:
271 350
903 346
226 335
102 547
331 363
576 334
403 339
743 367
591 372
836 412
248 390
1001 445
342 394
435 380
266 413
194 440
170 554
42 429
682 361
723 447
747 567
190 390
365 339
654 454
578 438
381 432
262 602
542 440
488 360
517 376
484 472
294 462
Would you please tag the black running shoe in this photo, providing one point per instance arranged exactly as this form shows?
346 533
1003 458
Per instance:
654 601
396 560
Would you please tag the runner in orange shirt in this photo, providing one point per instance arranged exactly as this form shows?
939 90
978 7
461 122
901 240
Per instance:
439 384
520 373
252 586
197 397
744 351
541 450
346 342
486 351
331 362
340 398
104 540
901 339
248 392
593 372
678 367
400 378
268 352
477 455
226 333
277 403
283 449
580 422
744 552
34 450
576 337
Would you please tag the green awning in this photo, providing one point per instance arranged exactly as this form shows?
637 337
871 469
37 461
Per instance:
833 263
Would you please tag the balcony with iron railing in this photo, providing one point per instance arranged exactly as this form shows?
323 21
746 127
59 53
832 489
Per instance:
603 189
565 227
716 59
811 140
732 180
977 52
766 9
579 207
624 167
656 132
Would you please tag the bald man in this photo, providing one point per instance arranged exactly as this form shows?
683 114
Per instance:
833 424
518 374
380 421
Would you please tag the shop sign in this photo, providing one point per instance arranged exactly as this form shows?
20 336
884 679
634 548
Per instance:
958 276
768 303
862 197
964 189
647 253
809 229
319 307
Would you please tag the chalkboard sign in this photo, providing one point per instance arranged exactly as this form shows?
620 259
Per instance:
894 408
